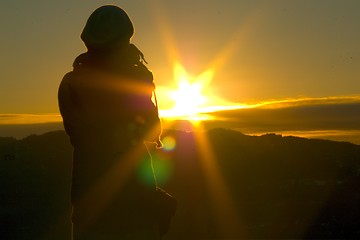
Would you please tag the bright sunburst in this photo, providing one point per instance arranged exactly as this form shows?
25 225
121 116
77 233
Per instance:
189 96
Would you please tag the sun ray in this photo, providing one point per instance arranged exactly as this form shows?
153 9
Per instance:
224 208
239 36
188 97
162 22
191 100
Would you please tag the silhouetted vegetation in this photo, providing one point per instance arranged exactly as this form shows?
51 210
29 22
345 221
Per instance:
282 187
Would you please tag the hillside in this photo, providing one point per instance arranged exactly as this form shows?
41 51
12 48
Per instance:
275 187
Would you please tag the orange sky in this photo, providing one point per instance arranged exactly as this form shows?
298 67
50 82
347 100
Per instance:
258 50
234 54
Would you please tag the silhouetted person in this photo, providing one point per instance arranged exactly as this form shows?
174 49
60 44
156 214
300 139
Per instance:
108 113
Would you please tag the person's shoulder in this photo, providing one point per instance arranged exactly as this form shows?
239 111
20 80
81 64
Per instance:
68 81
67 78
65 83
144 73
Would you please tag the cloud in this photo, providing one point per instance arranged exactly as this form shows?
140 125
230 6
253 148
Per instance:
335 118
293 102
23 119
335 113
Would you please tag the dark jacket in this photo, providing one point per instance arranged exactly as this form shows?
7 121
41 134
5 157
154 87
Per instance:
107 111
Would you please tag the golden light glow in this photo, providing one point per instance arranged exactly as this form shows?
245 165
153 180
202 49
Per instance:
23 119
223 205
189 96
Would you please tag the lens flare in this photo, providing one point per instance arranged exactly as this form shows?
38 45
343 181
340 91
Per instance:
163 169
169 143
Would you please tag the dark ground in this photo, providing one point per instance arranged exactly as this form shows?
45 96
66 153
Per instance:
281 187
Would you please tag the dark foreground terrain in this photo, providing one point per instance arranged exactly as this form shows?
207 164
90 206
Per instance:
229 185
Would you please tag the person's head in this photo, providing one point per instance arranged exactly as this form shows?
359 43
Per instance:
107 27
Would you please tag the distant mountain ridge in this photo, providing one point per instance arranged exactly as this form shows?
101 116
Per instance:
282 187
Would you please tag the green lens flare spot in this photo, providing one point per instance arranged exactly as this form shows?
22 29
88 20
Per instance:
169 143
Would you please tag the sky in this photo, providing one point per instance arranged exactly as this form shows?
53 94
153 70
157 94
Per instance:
257 50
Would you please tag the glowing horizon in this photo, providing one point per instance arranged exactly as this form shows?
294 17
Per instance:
203 112
191 97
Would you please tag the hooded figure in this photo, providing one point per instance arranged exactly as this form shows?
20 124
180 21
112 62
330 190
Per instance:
108 113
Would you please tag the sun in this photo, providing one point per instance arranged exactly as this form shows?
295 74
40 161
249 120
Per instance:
188 96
